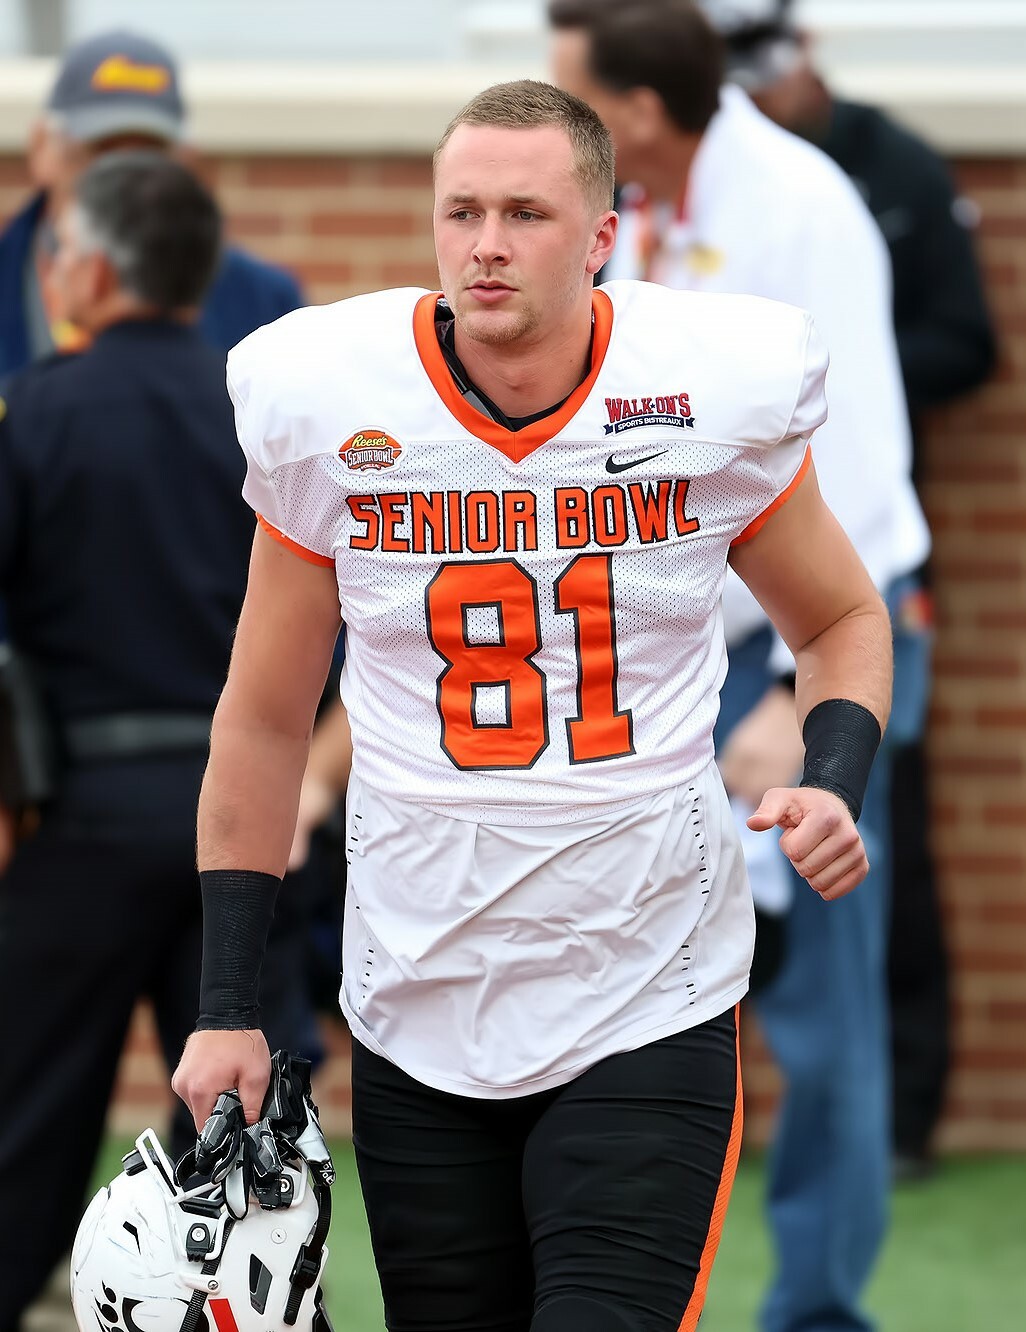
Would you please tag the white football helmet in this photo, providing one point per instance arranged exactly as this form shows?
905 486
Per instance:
154 1256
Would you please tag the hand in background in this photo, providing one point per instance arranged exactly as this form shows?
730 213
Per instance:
765 749
316 801
325 779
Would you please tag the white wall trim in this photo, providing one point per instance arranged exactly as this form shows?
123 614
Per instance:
335 108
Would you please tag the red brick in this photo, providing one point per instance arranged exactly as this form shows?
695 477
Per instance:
1005 225
986 173
993 960
362 224
242 226
1013 1110
1001 717
999 520
996 471
952 570
987 864
409 275
1013 815
295 173
14 173
328 271
978 667
405 172
1012 618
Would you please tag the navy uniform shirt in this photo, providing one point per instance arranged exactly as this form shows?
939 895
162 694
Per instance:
124 550
124 540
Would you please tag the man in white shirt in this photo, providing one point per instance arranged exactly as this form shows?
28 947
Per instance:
523 497
718 198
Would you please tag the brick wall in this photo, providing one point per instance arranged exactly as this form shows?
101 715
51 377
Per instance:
347 226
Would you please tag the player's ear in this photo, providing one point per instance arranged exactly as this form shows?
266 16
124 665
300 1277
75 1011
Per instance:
603 240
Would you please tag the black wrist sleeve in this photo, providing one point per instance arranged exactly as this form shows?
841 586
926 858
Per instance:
238 906
841 740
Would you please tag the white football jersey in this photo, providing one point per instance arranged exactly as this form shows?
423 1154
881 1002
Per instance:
533 645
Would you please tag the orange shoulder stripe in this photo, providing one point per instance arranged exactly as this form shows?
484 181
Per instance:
756 524
311 556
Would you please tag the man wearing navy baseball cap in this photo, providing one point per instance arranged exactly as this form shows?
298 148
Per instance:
118 89
114 84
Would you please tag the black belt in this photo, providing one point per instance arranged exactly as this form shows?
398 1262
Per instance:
137 734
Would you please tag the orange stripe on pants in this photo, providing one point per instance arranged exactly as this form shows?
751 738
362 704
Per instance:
694 1310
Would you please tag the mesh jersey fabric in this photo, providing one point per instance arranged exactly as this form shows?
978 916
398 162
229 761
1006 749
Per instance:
535 614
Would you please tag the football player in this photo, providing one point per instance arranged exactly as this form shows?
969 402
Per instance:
522 495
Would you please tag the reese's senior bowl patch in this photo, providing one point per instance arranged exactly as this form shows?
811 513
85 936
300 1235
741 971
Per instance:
369 451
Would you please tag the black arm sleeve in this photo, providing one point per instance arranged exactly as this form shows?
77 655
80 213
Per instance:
238 906
841 739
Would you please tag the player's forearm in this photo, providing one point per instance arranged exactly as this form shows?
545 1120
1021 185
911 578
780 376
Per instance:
843 687
851 659
247 815
250 795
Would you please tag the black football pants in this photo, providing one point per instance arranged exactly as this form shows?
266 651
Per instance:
593 1207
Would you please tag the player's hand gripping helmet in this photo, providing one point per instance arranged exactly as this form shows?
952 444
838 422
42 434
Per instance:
183 1249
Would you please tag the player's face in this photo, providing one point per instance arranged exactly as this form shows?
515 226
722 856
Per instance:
619 110
517 237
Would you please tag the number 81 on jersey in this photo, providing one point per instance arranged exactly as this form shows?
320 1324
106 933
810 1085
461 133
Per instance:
584 589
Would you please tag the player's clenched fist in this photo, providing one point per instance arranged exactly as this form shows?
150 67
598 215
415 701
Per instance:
216 1061
819 838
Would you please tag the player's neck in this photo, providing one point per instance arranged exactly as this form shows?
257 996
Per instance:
663 170
527 376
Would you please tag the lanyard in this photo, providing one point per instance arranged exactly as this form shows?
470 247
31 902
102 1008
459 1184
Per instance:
652 226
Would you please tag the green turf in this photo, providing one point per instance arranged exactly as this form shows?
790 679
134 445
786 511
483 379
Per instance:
955 1259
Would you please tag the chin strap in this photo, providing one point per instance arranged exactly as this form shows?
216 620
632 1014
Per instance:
311 1256
199 1297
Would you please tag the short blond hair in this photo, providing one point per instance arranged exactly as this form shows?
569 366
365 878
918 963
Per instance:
531 104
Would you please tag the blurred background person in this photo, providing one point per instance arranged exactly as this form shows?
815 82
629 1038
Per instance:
716 197
114 90
946 345
124 545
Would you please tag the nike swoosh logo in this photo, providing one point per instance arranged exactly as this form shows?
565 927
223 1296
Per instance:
615 467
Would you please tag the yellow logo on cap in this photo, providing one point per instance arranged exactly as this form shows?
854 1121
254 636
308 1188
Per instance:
119 74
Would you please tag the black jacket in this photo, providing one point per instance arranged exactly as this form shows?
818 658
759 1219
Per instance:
124 539
945 339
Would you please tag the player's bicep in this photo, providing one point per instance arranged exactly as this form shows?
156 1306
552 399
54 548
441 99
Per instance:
285 638
802 568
